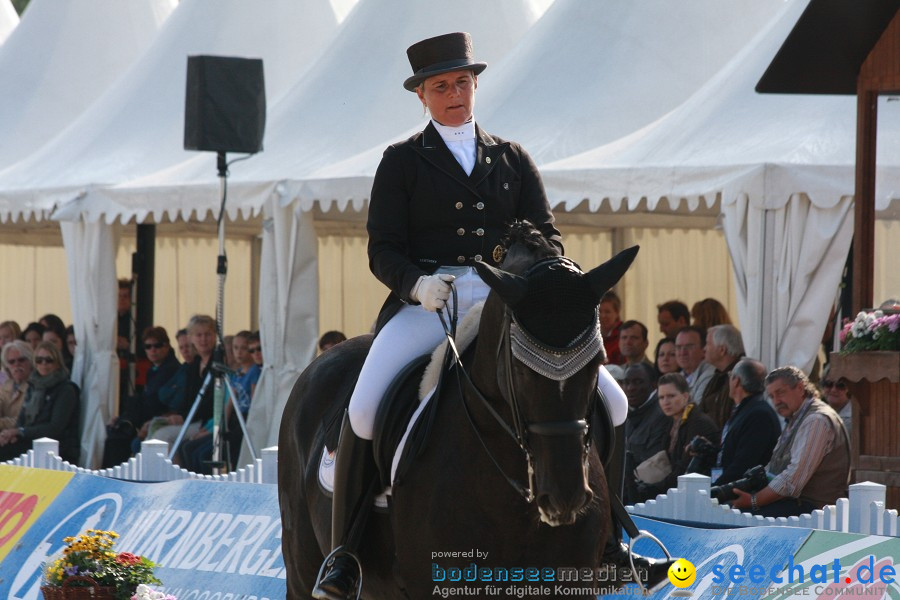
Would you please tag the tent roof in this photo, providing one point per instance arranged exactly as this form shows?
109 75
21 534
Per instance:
604 82
137 126
9 18
61 58
826 48
623 64
351 98
727 140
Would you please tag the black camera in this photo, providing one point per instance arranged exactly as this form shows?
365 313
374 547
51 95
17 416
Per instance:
705 453
754 479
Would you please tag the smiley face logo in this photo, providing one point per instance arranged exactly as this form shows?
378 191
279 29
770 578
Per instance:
682 573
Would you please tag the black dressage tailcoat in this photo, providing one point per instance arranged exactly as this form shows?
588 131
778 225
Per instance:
425 211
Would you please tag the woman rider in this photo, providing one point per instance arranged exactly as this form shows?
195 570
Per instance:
440 201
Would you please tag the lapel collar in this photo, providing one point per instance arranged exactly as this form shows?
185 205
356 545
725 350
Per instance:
487 153
435 151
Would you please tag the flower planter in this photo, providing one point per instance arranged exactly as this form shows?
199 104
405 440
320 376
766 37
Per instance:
874 382
69 591
868 366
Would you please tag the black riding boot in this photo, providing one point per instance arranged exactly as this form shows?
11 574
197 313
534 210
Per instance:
354 474
654 572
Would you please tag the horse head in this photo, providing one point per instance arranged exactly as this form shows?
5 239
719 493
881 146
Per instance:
542 319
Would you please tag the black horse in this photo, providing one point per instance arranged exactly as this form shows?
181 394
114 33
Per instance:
508 487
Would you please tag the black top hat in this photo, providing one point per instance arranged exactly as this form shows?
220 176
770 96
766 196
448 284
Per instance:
441 54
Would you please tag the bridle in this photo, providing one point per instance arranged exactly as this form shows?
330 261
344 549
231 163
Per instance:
555 363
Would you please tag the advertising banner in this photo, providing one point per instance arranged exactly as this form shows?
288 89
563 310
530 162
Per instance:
843 565
212 540
24 495
717 554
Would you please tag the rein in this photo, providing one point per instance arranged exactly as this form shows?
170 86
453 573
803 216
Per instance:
520 430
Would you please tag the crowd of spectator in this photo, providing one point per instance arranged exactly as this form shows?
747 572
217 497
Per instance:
702 406
697 404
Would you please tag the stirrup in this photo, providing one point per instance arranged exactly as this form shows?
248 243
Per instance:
646 534
329 560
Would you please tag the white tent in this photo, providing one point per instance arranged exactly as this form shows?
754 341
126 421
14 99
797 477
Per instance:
783 168
9 18
622 66
136 126
61 58
351 97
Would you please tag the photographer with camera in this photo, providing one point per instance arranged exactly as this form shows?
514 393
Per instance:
810 464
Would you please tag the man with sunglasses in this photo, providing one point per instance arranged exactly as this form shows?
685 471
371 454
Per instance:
139 410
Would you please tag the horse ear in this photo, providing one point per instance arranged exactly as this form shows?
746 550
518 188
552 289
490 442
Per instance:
605 276
510 287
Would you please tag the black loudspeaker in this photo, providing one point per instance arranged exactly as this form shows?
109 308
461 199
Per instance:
225 109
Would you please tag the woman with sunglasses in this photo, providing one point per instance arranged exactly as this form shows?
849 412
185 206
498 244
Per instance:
836 393
140 410
50 409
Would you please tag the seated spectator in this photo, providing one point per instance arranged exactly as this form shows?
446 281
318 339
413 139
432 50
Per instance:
331 338
672 316
753 429
34 335
646 427
9 331
55 332
685 423
709 312
202 332
665 357
810 465
228 344
71 342
185 346
610 326
254 347
690 349
243 381
837 395
171 394
16 357
633 342
141 409
724 348
51 409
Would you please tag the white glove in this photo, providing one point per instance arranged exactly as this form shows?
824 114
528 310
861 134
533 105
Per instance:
432 291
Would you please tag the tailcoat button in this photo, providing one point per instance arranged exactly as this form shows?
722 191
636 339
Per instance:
460 231
477 257
460 259
488 160
505 186
459 205
479 232
480 206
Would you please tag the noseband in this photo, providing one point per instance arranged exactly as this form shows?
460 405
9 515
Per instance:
556 364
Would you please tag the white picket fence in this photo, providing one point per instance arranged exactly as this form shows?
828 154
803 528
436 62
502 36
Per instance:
863 512
150 464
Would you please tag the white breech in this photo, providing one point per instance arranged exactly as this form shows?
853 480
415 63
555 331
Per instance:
412 332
